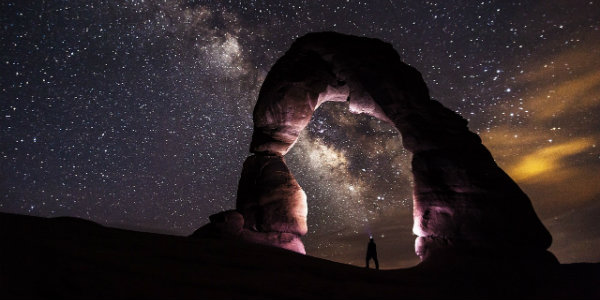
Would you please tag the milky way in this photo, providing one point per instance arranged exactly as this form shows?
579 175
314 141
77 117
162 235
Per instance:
137 114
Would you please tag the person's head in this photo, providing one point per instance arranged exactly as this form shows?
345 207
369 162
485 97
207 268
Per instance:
371 239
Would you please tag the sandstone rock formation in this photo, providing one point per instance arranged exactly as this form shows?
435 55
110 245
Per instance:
462 199
269 197
271 206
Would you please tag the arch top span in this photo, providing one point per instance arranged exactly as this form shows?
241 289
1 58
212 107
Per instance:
328 66
462 199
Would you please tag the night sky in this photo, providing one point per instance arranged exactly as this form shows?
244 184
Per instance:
138 114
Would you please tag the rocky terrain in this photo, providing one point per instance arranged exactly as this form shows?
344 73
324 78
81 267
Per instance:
69 258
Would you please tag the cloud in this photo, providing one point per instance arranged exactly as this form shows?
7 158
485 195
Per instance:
556 169
562 84
552 152
548 163
568 97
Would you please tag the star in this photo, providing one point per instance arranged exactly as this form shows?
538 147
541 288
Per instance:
139 114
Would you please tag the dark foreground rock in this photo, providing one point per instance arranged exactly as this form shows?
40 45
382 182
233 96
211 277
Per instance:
68 258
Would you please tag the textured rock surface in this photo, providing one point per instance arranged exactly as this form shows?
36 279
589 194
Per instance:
271 207
295 87
269 197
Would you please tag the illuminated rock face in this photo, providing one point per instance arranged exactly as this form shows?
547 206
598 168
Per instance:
271 207
462 199
269 197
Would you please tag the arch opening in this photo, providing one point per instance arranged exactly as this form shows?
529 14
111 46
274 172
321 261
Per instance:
356 175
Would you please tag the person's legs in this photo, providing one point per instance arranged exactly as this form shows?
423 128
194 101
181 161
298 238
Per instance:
376 262
367 260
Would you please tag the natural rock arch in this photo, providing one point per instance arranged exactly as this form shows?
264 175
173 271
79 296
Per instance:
462 200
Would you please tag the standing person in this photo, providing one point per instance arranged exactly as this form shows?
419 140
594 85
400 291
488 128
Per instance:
372 253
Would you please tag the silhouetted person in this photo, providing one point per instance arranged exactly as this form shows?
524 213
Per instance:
372 253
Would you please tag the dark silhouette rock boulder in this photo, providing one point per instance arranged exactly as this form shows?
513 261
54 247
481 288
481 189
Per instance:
227 223
230 225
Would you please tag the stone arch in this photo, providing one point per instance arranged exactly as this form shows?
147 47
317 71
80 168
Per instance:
462 199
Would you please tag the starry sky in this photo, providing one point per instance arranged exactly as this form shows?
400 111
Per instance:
138 114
